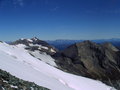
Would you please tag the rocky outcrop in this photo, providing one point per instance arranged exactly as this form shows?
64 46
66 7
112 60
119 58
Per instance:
97 61
36 44
9 82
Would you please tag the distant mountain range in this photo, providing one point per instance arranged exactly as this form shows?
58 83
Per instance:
62 44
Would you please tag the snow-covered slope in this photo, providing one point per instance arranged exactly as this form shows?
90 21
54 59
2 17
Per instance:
37 48
18 62
39 55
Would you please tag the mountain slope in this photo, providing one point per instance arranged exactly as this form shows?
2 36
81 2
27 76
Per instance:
97 61
18 62
37 48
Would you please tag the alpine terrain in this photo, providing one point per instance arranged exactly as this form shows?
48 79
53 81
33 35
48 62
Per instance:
33 64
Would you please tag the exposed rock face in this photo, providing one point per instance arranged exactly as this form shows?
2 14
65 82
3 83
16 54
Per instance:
36 44
97 61
9 82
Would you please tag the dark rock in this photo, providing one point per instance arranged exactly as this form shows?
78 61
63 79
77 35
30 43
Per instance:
9 82
97 61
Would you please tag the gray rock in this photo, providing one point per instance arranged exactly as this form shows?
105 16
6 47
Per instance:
97 61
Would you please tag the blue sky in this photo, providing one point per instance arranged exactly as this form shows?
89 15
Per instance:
59 19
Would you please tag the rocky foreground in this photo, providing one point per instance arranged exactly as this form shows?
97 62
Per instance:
9 82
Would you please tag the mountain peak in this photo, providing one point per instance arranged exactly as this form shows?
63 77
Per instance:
87 43
34 38
91 60
34 44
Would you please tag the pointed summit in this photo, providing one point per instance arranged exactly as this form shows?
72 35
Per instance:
34 38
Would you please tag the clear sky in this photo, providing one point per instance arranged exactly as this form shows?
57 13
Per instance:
59 19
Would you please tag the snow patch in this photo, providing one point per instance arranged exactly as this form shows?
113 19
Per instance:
44 57
13 86
52 50
21 45
44 47
29 40
22 39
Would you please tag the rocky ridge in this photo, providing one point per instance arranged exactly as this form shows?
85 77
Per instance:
88 59
36 44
